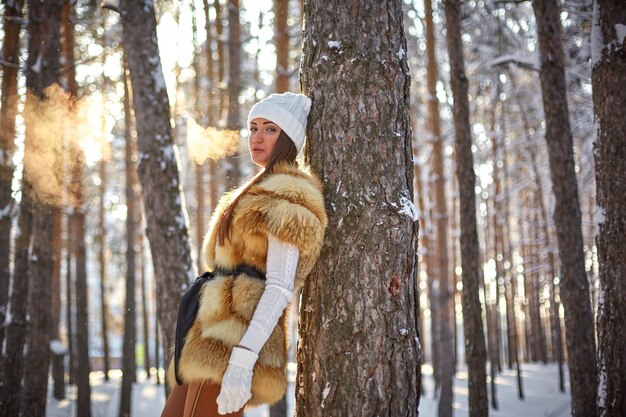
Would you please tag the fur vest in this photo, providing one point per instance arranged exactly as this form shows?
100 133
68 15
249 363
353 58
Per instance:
288 204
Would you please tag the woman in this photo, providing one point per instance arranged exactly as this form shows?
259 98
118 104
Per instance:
263 240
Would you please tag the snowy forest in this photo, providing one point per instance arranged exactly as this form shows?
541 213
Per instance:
473 162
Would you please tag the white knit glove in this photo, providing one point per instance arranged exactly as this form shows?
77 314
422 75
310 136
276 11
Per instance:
237 381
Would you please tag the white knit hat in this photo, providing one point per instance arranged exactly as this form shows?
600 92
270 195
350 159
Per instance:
288 110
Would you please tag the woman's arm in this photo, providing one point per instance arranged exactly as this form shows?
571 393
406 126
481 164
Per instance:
282 261
281 264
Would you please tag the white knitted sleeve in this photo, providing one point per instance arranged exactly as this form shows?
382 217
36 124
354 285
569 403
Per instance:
282 260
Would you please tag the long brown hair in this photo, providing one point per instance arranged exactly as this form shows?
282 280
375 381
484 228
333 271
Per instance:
284 150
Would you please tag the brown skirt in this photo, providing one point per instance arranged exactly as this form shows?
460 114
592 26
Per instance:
196 399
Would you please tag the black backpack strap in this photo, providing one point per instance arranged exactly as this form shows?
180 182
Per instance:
187 312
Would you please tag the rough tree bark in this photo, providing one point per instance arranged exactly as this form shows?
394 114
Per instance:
158 168
8 111
472 315
575 285
359 351
609 96
445 367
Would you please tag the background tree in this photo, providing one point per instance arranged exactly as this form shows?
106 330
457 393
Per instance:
472 315
575 287
130 313
8 111
442 297
610 155
158 168
359 323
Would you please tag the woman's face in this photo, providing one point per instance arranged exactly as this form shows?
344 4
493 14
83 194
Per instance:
263 136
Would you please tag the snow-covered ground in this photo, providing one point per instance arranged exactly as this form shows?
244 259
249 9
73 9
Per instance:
540 385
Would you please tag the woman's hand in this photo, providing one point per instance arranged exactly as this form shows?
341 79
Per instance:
237 381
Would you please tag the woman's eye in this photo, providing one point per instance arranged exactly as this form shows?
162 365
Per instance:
271 129
253 129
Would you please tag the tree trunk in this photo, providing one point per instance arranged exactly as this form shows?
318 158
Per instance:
101 236
8 111
610 158
58 371
37 357
512 287
36 223
69 319
472 315
360 90
103 270
77 234
575 288
221 58
158 171
130 316
208 50
145 316
444 342
234 87
498 237
281 39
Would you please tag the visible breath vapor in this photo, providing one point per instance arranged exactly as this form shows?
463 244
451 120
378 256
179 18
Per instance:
210 142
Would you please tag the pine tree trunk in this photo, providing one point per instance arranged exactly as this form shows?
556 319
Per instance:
58 371
130 315
8 111
101 236
37 358
69 319
221 58
361 148
498 244
472 315
610 157
208 51
145 316
77 233
34 267
103 270
444 296
234 87
158 171
511 290
281 39
575 285
13 359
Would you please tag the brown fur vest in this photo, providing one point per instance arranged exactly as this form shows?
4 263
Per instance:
289 204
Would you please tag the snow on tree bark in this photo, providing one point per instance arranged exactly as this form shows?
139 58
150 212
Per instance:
575 285
167 223
359 353
609 95
472 315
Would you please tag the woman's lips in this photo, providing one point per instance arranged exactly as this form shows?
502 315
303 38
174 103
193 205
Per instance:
257 150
